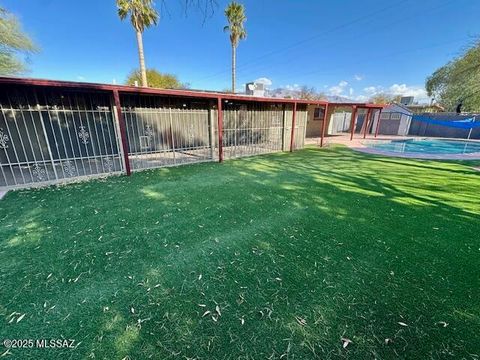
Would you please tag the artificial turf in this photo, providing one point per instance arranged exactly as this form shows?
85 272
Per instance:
277 256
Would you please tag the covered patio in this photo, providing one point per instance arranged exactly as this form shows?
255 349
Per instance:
361 119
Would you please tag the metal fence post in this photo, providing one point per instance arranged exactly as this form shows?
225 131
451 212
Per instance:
123 131
292 136
220 129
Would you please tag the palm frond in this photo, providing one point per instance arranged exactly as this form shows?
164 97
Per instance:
142 13
236 18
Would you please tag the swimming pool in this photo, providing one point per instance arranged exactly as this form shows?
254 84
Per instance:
426 148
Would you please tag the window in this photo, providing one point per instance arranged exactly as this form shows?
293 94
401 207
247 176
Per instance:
318 113
390 116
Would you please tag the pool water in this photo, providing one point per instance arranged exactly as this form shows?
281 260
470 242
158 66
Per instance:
427 146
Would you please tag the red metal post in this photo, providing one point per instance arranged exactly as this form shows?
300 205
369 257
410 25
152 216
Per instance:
292 135
353 122
324 125
367 122
220 129
123 130
378 122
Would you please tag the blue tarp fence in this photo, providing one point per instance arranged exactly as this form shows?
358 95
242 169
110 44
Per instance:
459 124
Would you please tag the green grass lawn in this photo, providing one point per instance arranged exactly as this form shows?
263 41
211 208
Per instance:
277 256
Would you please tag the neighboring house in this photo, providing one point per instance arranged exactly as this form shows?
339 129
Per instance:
255 89
425 108
395 120
408 103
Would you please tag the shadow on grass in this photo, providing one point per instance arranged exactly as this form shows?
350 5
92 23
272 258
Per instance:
296 250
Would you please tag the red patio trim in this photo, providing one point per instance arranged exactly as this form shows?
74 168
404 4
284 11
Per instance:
169 92
366 122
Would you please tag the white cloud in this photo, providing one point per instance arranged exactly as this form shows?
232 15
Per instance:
418 92
292 87
80 78
338 90
343 88
265 81
361 98
371 90
358 77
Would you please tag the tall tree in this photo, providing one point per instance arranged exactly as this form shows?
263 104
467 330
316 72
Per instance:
384 98
156 79
14 44
142 15
235 14
458 82
310 93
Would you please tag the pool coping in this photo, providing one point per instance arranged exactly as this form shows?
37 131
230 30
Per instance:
361 147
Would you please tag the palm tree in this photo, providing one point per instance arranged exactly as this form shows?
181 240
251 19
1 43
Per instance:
235 14
142 15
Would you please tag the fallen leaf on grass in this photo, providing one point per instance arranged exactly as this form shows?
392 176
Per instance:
442 323
301 321
217 309
402 323
206 313
345 342
20 318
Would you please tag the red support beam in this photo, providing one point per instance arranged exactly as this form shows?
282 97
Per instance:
220 129
353 122
141 90
324 125
367 122
292 135
123 130
378 122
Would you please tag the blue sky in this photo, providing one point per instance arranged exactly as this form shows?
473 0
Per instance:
343 47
